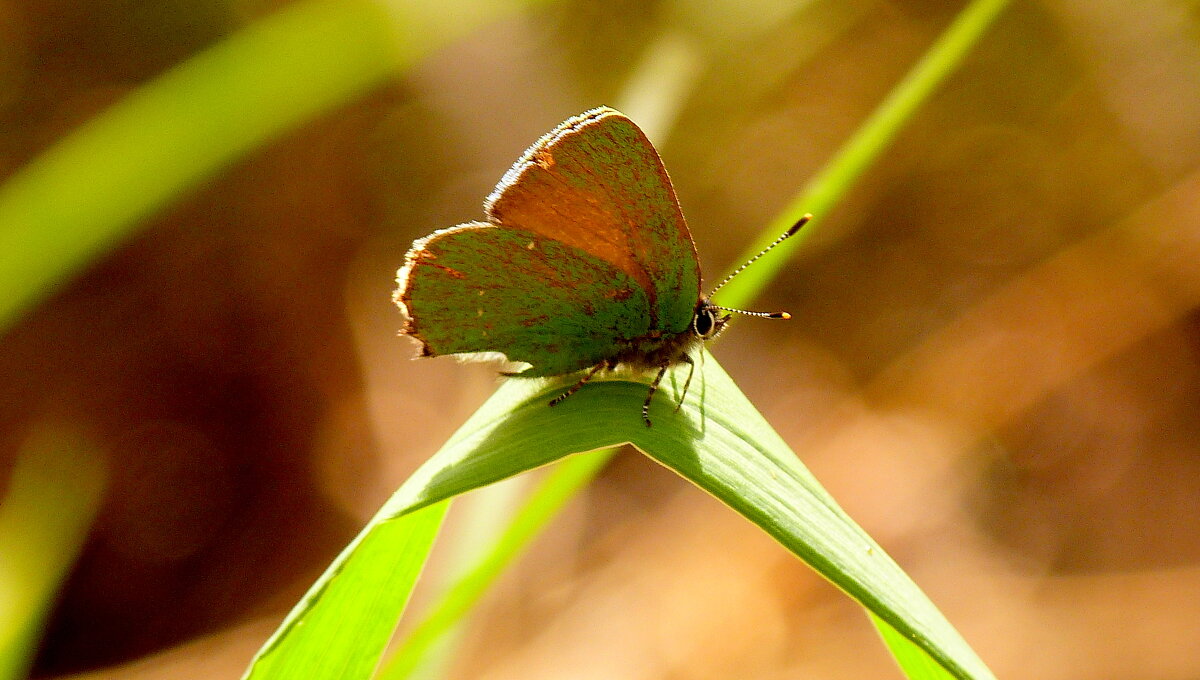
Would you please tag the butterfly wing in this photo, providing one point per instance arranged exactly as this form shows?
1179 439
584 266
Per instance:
478 287
596 183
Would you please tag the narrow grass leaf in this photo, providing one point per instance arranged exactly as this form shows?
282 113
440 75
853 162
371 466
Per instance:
342 625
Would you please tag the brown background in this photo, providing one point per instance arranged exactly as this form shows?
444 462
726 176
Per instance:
993 362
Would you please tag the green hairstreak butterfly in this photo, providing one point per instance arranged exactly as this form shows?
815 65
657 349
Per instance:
584 263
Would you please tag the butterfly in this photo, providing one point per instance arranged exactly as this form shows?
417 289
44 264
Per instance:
583 264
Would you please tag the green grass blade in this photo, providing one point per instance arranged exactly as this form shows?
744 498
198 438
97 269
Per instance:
46 511
861 151
720 443
551 493
342 625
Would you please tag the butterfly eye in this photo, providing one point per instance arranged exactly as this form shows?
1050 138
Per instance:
705 322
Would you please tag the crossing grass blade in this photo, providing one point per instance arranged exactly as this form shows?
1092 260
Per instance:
717 441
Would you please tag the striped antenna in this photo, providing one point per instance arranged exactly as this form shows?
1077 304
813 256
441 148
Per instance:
786 235
765 315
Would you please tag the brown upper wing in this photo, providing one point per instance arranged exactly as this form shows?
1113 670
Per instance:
595 182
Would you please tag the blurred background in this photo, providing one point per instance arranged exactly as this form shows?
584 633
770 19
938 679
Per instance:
993 362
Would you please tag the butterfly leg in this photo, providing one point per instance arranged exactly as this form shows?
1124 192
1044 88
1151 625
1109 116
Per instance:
650 395
582 381
687 359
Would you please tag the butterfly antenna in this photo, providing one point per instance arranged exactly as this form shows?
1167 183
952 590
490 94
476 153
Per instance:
764 315
786 235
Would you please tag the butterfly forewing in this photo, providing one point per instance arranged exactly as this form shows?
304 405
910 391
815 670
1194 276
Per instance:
596 183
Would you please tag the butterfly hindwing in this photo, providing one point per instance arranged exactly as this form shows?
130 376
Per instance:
479 287
596 183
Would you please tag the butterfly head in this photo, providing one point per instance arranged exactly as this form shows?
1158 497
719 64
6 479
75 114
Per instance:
708 321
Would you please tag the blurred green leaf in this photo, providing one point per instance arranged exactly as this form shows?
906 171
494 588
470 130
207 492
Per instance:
92 188
869 141
54 492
